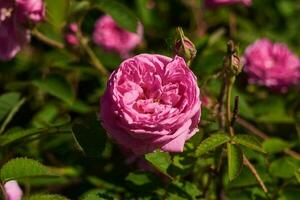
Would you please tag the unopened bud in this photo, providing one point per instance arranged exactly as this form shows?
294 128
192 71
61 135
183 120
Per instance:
185 47
232 63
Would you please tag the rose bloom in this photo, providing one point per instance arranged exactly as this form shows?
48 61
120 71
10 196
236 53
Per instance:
151 102
33 10
114 38
70 34
14 19
272 65
13 190
216 3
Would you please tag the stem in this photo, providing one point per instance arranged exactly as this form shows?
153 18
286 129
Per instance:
93 58
229 85
11 115
221 100
5 197
40 36
254 172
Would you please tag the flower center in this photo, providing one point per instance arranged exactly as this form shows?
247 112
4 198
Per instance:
5 13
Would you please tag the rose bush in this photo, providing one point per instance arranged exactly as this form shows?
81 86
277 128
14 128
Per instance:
151 102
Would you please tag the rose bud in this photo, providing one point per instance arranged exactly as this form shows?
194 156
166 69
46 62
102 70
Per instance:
151 102
272 65
13 190
184 47
71 34
217 3
111 37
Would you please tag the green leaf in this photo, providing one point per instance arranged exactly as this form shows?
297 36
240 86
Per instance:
46 197
297 175
7 102
138 178
57 86
235 161
20 168
211 143
90 137
57 11
160 160
275 145
120 13
249 141
283 167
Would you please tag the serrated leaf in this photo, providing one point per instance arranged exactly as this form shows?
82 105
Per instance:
57 86
235 161
20 168
211 143
275 145
90 137
46 197
120 13
249 141
160 160
7 102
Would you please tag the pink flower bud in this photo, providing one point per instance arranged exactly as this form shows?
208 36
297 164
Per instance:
151 102
70 35
114 38
13 190
272 65
185 48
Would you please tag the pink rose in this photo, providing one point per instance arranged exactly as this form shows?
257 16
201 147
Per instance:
70 34
14 32
32 10
272 65
216 3
13 190
114 38
151 102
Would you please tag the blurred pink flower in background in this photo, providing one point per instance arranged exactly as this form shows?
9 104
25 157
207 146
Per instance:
114 38
14 19
32 10
151 102
13 190
70 34
272 65
216 3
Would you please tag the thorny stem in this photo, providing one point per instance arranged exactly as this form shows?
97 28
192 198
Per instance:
254 172
235 110
40 36
221 100
231 70
229 85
